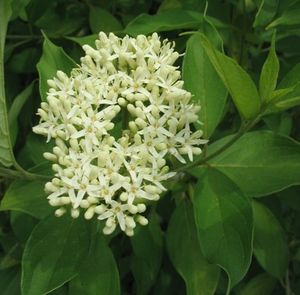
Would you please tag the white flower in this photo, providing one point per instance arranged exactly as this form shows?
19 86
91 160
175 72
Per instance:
117 119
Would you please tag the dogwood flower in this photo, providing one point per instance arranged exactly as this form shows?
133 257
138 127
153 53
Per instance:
116 120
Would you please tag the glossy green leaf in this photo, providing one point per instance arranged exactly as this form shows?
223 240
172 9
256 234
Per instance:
238 83
98 274
102 20
262 284
6 152
224 222
53 59
260 162
270 244
147 254
201 79
28 196
201 278
164 21
53 254
269 74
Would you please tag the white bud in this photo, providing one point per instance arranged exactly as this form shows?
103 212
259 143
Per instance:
129 232
60 212
89 213
142 220
84 204
75 213
109 230
100 209
141 208
50 157
55 202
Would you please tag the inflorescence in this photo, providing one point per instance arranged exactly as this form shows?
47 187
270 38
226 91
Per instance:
116 120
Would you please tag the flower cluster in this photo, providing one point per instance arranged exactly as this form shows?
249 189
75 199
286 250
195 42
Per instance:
116 120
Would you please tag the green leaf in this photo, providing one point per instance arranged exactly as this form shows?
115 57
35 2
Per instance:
6 153
262 284
238 83
147 254
10 281
28 196
269 74
270 244
22 225
201 278
15 110
201 79
33 150
260 162
53 254
53 59
98 273
224 222
291 84
102 20
89 40
164 21
288 18
267 10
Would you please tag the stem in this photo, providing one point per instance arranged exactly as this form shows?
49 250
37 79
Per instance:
244 128
24 37
9 173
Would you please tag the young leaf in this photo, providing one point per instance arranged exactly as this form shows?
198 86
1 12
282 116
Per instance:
102 20
269 74
53 254
201 79
224 222
6 152
53 59
98 274
270 165
288 17
238 83
28 196
291 85
164 21
147 254
201 278
267 10
270 244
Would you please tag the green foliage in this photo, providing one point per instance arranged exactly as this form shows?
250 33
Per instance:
194 269
205 236
53 59
269 74
203 82
238 83
98 274
224 223
147 256
6 156
270 244
53 254
270 165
